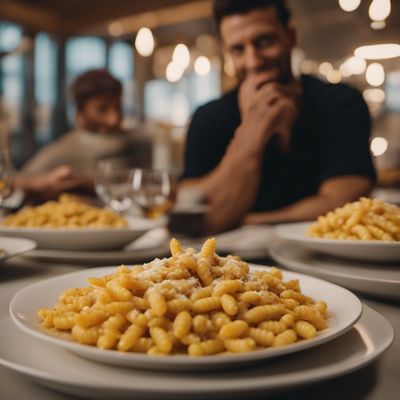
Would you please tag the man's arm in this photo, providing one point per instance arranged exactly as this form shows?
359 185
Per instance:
334 192
49 185
231 188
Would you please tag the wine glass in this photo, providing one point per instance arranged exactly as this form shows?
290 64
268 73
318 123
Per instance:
113 184
153 191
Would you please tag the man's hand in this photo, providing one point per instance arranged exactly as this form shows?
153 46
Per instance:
273 103
50 185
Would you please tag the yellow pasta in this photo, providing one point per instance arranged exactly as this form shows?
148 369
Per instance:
287 337
190 303
229 286
64 322
66 212
212 346
175 247
233 330
229 304
85 335
157 303
240 345
182 324
130 337
206 304
200 324
276 327
220 319
204 273
161 339
262 338
305 329
366 219
208 249
261 313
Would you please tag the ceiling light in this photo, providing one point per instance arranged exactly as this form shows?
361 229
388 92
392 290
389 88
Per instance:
324 68
379 10
374 95
174 72
379 146
349 5
334 76
378 51
377 25
144 42
375 74
353 66
202 66
181 56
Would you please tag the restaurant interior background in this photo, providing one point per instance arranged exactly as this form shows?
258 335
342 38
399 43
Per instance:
166 53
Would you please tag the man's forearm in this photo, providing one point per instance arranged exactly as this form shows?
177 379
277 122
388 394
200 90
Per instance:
333 193
308 208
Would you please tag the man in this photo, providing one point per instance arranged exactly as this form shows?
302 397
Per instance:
68 163
276 149
97 133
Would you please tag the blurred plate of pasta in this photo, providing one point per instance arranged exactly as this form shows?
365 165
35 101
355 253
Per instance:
344 310
152 244
364 250
10 247
71 224
82 238
378 279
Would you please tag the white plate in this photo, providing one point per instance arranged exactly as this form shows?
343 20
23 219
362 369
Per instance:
248 241
368 250
54 367
14 246
83 238
152 244
381 280
345 308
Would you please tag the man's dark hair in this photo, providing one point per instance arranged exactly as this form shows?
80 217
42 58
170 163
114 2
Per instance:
93 83
223 8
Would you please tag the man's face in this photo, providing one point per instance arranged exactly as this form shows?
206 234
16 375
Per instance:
101 114
258 42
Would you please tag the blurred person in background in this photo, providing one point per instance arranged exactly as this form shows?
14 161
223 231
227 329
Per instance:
68 163
276 148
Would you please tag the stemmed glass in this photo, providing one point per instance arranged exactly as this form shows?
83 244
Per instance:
153 191
113 184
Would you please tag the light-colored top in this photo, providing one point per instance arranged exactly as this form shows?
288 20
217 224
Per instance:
81 149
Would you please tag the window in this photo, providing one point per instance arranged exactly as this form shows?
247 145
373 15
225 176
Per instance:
45 75
11 74
175 102
82 53
121 66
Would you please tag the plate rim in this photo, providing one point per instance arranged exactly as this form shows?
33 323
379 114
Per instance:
181 360
280 230
274 248
296 378
31 245
85 238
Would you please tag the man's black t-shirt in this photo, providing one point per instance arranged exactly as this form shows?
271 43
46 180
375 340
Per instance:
330 138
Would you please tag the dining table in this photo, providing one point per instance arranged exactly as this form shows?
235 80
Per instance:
376 381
